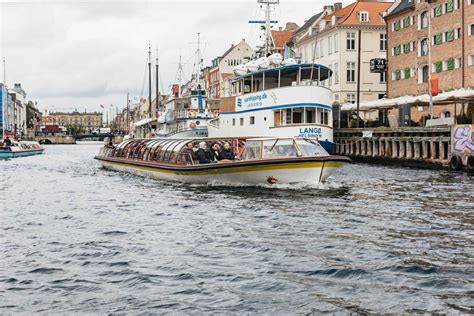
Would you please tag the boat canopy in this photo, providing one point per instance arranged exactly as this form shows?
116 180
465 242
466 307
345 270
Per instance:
278 77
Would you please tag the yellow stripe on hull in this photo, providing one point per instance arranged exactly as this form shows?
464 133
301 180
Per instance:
236 169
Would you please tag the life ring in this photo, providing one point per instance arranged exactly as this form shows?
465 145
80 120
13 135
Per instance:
456 163
470 164
192 124
191 114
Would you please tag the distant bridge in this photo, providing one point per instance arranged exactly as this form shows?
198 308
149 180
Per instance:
71 139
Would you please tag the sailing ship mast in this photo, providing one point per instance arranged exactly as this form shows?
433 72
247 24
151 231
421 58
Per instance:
4 99
149 80
157 90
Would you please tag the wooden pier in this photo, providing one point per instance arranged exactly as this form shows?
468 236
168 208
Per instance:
409 146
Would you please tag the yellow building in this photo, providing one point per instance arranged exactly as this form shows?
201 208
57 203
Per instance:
76 122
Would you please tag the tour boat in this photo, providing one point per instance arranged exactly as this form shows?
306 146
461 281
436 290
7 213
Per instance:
284 101
21 149
259 161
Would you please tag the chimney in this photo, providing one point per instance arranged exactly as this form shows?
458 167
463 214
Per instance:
328 8
337 6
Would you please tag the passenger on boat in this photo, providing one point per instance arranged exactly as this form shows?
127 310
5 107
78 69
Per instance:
203 154
226 152
215 150
7 142
189 152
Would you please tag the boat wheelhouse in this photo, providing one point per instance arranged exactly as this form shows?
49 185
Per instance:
185 116
21 149
259 161
284 101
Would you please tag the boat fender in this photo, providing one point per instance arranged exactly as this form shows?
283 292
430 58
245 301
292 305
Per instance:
456 163
224 160
470 164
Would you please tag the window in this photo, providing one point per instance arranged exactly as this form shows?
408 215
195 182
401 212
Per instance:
470 60
364 16
424 74
383 77
397 49
396 25
458 33
252 120
407 73
336 73
438 39
351 72
437 11
381 95
350 43
336 43
424 20
406 48
397 74
351 98
457 63
471 29
329 45
424 47
449 6
383 42
241 121
450 64
438 66
321 47
406 21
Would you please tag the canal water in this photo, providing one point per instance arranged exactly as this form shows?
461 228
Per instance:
75 238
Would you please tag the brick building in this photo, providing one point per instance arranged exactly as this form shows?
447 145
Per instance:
451 46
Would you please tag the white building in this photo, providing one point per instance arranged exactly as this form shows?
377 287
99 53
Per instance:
333 42
17 110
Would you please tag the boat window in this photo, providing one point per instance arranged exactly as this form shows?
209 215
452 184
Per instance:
279 148
302 115
251 150
288 77
310 148
164 150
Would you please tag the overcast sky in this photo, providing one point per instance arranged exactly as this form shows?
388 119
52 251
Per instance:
71 54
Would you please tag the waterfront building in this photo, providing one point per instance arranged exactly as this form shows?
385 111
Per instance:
15 110
75 121
222 68
332 40
282 36
430 39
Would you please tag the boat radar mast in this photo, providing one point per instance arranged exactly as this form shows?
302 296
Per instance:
267 22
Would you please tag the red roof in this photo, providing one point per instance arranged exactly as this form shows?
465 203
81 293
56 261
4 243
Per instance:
280 38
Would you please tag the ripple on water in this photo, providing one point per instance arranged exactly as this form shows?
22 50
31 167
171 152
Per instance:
372 240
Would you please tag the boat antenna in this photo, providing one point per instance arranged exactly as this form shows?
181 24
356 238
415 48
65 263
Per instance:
179 75
149 80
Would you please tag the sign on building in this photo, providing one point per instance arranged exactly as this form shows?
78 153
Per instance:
378 65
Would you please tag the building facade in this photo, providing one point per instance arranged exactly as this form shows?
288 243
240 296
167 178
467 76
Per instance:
426 40
222 68
334 42
75 121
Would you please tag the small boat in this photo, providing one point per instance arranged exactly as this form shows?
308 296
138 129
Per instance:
259 161
21 149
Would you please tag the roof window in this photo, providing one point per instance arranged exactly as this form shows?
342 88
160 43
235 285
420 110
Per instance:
364 16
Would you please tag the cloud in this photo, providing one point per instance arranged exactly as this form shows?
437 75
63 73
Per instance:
72 54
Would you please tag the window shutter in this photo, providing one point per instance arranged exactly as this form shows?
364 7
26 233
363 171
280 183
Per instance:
450 6
438 38
450 36
406 21
438 10
407 73
451 63
397 74
439 66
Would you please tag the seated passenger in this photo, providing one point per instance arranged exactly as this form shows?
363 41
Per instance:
203 154
7 142
227 152
215 149
189 153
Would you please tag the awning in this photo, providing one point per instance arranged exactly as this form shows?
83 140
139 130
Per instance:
459 95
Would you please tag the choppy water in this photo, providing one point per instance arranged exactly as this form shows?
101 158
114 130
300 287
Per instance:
78 239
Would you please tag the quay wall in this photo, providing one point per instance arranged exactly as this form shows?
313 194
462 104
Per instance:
409 146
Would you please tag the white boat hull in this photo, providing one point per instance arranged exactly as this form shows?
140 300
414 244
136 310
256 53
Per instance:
306 173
